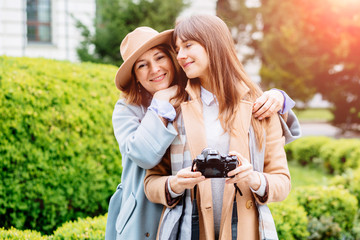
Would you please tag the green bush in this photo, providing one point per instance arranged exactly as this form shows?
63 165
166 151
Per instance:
330 206
13 233
340 155
88 228
349 180
59 157
323 228
306 150
290 220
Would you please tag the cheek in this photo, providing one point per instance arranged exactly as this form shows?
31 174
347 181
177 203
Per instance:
140 76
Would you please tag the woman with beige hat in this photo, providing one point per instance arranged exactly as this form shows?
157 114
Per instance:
153 86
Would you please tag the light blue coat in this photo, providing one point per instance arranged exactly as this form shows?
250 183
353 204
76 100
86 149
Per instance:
143 140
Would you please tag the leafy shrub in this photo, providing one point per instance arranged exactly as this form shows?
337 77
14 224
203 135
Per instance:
305 150
330 206
340 155
323 228
13 233
59 157
356 229
349 180
290 219
88 228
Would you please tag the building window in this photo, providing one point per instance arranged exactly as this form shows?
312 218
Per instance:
38 20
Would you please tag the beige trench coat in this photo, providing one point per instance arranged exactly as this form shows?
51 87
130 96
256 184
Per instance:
275 170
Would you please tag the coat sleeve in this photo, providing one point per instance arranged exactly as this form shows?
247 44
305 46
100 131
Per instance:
276 169
143 138
291 126
155 183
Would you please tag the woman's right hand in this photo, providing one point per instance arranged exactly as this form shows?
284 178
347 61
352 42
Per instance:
185 179
166 94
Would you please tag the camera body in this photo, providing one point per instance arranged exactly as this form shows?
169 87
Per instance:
212 164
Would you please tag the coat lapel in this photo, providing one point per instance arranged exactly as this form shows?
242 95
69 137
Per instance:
196 137
238 143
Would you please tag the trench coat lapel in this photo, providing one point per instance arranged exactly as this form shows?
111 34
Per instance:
196 137
239 143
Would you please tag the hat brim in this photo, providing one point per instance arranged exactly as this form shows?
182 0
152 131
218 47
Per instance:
123 74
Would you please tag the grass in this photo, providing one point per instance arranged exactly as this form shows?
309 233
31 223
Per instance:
314 115
307 176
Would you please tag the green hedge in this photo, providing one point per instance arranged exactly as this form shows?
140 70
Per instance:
349 180
306 149
290 219
330 207
16 234
340 154
334 155
88 228
59 157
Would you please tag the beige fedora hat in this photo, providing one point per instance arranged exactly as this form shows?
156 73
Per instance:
133 46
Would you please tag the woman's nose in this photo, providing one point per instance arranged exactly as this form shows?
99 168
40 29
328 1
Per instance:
180 54
155 68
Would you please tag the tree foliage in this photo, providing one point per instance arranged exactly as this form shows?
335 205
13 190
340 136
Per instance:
305 47
115 18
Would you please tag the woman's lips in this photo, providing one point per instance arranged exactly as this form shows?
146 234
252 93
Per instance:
159 78
187 64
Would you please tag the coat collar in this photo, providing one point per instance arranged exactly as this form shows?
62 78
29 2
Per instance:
194 90
194 122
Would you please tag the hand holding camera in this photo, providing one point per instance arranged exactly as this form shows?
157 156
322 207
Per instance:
212 164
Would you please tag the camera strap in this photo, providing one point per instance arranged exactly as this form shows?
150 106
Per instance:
195 229
234 218
237 189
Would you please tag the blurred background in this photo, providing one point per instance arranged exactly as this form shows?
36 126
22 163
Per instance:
60 161
309 48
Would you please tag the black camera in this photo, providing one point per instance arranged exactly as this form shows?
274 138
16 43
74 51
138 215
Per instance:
212 164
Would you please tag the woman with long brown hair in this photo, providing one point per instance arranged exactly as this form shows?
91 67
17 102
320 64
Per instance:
218 116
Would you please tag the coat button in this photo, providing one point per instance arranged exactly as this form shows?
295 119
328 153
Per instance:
147 234
249 204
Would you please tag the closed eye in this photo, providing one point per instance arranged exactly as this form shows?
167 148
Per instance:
160 57
141 65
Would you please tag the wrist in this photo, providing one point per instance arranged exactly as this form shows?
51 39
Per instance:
255 181
174 186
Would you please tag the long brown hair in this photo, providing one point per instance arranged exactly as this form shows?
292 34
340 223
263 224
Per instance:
136 94
226 72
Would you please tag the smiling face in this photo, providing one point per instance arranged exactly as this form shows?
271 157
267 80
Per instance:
193 59
154 70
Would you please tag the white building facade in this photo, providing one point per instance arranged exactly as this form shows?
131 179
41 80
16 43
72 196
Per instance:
43 28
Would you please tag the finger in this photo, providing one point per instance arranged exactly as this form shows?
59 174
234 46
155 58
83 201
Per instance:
244 172
263 109
240 169
190 182
187 173
269 112
238 178
259 102
240 157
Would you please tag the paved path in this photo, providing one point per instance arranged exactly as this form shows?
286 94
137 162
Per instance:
325 129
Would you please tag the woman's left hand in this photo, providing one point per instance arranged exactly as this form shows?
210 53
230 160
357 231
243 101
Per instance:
267 104
244 173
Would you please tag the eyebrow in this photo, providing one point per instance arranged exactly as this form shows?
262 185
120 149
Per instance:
158 52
